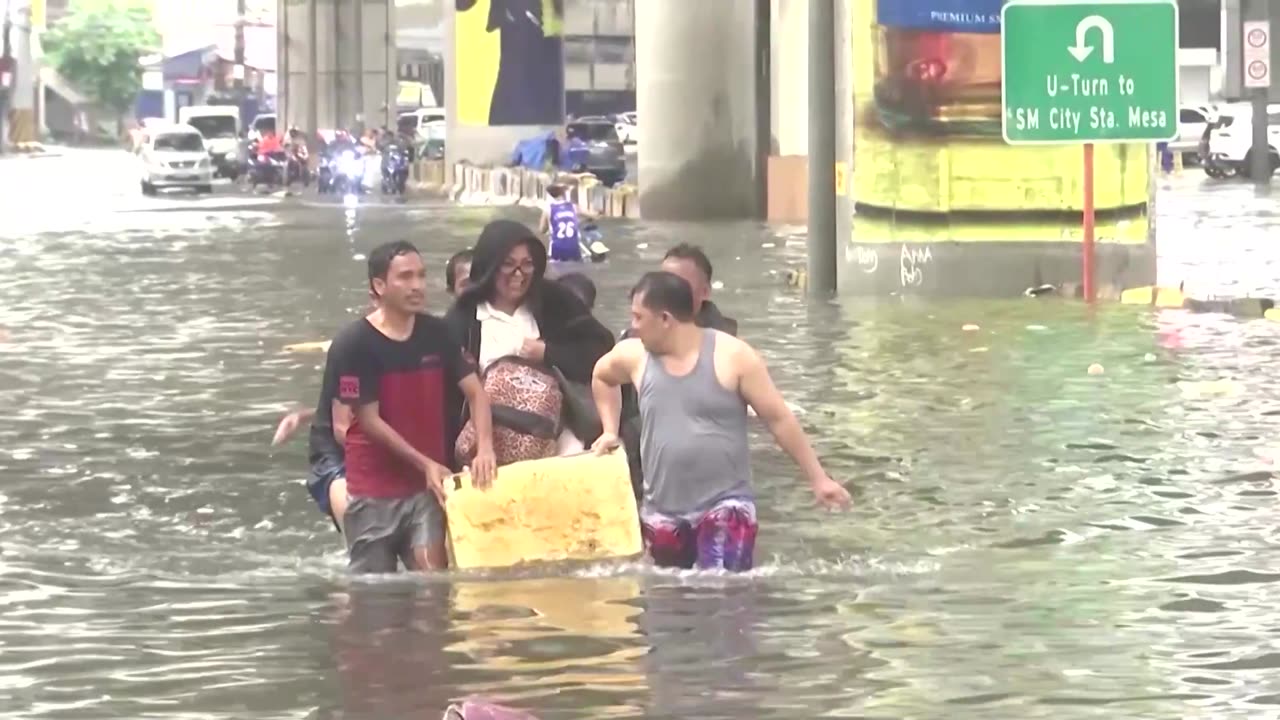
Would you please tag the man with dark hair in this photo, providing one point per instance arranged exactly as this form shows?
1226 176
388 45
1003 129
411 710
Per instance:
692 265
457 272
694 386
392 369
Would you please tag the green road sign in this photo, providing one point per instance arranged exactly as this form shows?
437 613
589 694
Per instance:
1081 72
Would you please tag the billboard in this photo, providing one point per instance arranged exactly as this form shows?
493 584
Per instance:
509 62
938 196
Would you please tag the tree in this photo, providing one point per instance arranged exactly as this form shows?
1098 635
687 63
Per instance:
97 47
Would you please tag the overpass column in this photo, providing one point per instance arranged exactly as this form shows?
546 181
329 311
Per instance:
696 97
337 63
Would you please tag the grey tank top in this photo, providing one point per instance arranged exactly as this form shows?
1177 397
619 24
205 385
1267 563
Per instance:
693 437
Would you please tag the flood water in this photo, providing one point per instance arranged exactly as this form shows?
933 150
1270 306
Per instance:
1027 540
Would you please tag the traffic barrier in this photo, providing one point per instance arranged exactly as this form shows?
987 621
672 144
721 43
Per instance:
475 185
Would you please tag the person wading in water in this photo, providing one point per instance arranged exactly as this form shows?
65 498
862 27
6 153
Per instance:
694 386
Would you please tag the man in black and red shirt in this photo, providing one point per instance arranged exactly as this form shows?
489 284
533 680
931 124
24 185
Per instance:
391 369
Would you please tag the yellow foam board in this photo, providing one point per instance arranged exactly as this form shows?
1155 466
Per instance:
1162 297
579 507
1272 314
314 346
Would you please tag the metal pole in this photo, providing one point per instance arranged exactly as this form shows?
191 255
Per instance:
6 66
822 147
1087 251
1260 167
241 12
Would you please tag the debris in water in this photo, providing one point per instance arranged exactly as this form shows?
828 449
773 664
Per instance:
1096 369
970 327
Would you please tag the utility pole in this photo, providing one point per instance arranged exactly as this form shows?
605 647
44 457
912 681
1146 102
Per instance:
1260 151
822 147
6 73
239 72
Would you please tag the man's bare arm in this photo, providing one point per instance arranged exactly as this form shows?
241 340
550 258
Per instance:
342 417
613 371
481 410
383 434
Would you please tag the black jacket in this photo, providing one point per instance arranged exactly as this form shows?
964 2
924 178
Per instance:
575 340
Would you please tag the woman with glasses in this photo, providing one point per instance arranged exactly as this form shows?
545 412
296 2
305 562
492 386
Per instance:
511 309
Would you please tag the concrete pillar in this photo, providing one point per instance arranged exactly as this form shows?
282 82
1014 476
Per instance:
696 98
336 63
844 138
790 100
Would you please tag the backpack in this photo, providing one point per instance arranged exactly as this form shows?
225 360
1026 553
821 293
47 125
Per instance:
526 401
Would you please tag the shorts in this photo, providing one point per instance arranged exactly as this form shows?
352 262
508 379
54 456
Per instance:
382 531
722 538
566 251
323 472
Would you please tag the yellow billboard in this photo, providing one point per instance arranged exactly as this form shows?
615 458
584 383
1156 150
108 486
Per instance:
509 62
931 167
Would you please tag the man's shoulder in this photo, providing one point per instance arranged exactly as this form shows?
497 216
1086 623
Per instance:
432 329
738 349
353 334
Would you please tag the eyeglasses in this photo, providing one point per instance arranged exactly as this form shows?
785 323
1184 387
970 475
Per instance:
525 267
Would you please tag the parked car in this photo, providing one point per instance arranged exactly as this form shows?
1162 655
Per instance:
1192 122
1230 145
628 129
420 121
600 151
175 157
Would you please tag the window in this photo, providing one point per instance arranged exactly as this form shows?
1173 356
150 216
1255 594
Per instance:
180 142
1187 115
214 126
593 131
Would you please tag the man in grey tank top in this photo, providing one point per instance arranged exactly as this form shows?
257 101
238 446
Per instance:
694 386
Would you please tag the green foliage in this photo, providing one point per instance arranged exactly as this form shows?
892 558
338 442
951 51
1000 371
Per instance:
97 47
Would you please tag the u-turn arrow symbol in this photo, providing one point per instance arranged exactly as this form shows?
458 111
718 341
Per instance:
1081 51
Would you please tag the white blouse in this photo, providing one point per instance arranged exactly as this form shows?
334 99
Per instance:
503 334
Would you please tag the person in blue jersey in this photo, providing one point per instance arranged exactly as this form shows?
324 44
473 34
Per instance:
560 224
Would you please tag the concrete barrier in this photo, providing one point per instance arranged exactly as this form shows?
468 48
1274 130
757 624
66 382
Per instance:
498 186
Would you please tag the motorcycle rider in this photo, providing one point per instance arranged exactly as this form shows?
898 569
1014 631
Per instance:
396 158
269 149
299 157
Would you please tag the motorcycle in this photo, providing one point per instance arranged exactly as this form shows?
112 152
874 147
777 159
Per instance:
268 169
395 170
342 173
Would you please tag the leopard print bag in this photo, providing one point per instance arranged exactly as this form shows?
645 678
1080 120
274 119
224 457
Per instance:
527 402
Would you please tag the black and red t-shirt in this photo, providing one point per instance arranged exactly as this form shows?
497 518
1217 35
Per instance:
408 380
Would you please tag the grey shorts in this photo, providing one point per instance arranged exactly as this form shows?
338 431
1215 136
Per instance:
382 531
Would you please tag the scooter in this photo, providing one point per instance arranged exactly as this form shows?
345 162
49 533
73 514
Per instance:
267 169
395 170
342 173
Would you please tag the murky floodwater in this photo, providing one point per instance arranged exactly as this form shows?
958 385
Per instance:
1028 540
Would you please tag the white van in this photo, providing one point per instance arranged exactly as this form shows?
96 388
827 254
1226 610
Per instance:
223 135
419 122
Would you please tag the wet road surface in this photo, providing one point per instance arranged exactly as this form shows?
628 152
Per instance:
1028 540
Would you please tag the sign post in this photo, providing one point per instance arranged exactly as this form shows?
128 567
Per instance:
1085 72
